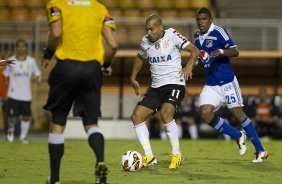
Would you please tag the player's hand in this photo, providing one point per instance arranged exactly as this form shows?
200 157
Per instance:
135 85
38 79
186 72
215 53
107 71
7 62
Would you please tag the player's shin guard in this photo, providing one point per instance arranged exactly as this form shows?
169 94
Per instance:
96 142
251 132
56 151
220 124
172 133
142 133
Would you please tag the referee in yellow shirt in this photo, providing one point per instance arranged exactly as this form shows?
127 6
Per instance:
76 29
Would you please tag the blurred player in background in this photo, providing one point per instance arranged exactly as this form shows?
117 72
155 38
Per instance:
4 101
221 83
18 78
76 29
161 48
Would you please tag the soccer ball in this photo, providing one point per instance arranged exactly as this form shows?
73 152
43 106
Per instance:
131 161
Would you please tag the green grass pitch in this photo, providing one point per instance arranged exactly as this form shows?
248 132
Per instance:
206 161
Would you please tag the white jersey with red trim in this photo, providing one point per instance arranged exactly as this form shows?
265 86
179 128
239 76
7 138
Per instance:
165 58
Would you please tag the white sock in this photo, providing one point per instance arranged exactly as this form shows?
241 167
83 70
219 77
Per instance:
226 137
172 133
24 129
142 133
180 130
163 135
193 131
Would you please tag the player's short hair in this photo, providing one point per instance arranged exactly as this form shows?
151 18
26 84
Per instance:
21 41
204 10
155 18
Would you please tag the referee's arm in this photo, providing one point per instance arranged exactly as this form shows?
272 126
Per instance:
54 35
112 44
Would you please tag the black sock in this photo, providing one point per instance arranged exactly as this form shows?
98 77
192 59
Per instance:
96 142
56 152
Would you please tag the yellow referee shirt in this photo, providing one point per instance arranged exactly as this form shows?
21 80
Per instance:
82 28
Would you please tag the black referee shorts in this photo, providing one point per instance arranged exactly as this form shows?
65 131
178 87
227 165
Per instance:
74 82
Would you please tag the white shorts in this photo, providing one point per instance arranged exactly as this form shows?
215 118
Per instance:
228 94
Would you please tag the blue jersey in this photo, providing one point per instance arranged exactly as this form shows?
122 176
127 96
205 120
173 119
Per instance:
220 71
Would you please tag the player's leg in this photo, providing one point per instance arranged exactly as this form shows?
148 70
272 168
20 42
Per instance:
25 121
211 98
141 113
87 105
251 132
55 148
139 116
64 81
192 128
167 115
235 104
13 117
96 142
172 95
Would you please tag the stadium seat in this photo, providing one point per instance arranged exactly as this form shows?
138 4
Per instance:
109 3
127 4
37 13
15 3
6 33
144 4
4 14
20 14
135 35
200 3
168 14
25 33
115 12
3 3
181 4
148 12
131 13
183 30
186 14
163 4
35 3
122 35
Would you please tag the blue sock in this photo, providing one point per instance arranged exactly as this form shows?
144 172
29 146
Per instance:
221 125
249 128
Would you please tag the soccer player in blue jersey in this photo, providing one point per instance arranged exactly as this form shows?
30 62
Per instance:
221 83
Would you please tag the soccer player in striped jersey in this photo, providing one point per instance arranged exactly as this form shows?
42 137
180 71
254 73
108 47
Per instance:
221 83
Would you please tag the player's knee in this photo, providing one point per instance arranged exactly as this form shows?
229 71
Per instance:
56 128
166 115
136 117
13 119
26 118
206 115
